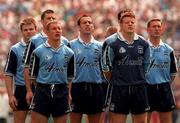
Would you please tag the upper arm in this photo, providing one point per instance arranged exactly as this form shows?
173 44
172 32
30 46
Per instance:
34 66
11 63
27 54
107 57
173 65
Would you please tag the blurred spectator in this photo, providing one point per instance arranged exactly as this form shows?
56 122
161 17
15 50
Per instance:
4 107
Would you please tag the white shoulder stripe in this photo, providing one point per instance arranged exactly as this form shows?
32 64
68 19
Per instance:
7 62
33 64
27 52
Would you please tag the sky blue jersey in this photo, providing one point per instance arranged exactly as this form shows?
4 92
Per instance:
127 62
35 41
88 61
14 66
163 64
52 66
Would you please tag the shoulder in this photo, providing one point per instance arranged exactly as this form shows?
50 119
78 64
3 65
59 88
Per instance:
74 42
167 46
97 43
143 41
111 38
67 49
65 40
40 48
36 37
15 47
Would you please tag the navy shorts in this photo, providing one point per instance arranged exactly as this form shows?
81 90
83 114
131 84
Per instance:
51 99
129 99
104 87
20 94
161 97
87 98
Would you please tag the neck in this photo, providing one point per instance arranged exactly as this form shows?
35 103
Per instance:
26 40
44 30
86 37
129 37
54 43
155 41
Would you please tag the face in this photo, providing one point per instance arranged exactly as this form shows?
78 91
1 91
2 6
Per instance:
86 25
54 32
155 29
47 18
28 31
128 25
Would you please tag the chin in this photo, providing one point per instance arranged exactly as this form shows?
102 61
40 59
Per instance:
57 40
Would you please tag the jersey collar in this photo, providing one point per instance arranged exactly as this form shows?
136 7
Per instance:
160 44
46 44
120 36
91 41
22 42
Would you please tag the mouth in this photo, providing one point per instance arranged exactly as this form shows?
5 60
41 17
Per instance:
57 35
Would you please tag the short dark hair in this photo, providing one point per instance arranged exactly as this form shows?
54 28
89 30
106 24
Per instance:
50 22
46 12
27 21
79 19
151 20
123 11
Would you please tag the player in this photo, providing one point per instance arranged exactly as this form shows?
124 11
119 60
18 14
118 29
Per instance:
40 38
86 91
52 68
161 73
126 58
15 83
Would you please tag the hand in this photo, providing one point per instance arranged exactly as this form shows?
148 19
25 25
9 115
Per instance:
29 96
107 75
13 102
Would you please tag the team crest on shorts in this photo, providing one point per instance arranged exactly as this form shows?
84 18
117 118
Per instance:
140 49
122 50
112 106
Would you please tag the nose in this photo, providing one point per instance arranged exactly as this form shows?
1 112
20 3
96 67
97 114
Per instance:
51 19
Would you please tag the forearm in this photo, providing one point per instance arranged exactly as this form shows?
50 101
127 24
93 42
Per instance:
27 80
69 87
9 85
172 78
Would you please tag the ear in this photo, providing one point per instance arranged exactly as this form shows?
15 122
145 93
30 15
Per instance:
148 30
163 28
93 27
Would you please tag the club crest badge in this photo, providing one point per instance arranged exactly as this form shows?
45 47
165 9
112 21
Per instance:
48 57
78 51
122 50
140 49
